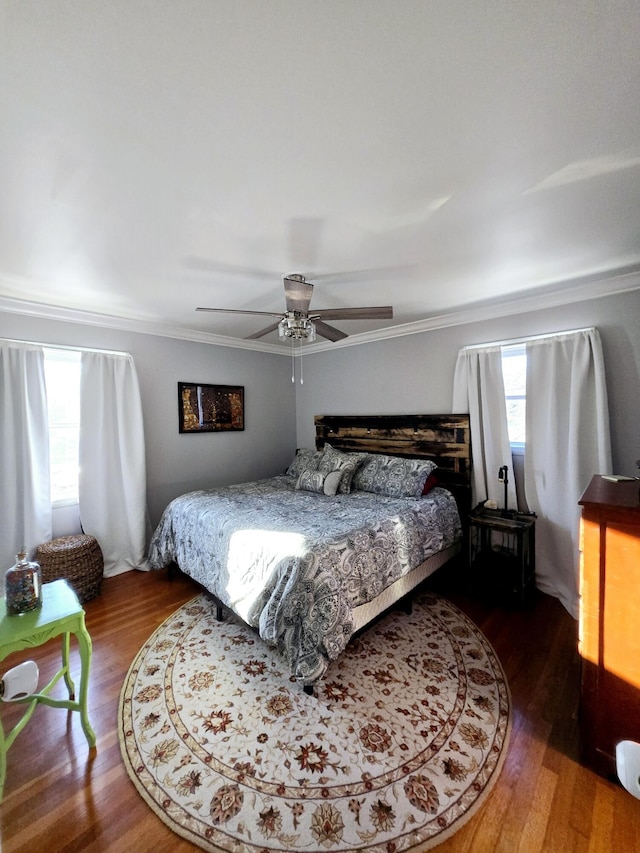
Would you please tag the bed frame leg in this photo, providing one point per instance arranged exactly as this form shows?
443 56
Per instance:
308 689
407 605
219 607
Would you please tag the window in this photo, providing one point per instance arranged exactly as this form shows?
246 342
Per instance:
514 373
62 377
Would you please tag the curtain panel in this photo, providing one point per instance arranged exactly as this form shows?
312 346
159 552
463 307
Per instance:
478 388
568 441
25 518
112 484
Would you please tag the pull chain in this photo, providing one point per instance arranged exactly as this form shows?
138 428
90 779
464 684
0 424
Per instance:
293 362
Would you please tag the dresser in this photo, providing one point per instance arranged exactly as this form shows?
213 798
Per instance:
609 640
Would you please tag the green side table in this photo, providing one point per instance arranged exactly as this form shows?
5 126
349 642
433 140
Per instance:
61 613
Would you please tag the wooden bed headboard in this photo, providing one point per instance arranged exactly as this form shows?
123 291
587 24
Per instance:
445 439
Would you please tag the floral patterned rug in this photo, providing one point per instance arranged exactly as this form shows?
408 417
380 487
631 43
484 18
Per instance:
400 744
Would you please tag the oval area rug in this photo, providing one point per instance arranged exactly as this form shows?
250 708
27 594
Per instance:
400 745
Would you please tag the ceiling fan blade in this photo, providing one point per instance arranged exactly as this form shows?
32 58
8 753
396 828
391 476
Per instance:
381 312
329 332
297 293
239 311
204 265
367 275
270 328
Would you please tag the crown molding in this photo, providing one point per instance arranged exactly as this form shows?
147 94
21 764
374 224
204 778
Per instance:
125 324
576 290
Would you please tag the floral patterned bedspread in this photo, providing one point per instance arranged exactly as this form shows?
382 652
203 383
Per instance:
292 564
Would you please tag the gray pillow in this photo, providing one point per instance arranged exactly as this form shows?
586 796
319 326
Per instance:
304 460
319 482
332 482
311 481
336 460
393 476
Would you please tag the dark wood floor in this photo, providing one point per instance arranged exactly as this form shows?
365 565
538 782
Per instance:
59 798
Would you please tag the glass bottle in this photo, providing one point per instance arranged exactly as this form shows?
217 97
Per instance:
23 585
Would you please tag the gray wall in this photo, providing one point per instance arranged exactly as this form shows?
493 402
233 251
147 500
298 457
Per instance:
177 463
408 374
415 373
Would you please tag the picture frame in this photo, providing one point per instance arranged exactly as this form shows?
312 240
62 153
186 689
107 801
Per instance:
210 408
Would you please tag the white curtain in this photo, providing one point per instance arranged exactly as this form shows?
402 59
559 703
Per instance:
25 517
478 388
112 485
568 441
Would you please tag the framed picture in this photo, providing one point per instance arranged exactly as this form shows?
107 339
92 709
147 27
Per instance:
210 408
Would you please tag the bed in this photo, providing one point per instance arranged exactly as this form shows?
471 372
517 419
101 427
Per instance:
310 557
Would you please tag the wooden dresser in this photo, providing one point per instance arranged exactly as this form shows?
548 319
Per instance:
609 620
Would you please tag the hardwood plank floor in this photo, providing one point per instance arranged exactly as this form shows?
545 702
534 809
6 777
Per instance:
59 798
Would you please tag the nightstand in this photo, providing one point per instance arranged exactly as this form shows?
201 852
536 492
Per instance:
502 554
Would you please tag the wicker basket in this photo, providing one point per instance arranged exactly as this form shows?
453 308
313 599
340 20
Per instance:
76 558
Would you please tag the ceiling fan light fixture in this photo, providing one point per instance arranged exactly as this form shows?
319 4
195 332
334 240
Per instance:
296 328
296 324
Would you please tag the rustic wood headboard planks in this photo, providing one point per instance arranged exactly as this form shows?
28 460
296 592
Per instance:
445 439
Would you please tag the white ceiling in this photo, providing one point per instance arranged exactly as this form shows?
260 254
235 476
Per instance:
157 156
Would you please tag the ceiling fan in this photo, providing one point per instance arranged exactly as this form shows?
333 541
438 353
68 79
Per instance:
297 323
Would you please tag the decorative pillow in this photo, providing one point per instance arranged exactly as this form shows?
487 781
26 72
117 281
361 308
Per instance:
332 482
304 460
317 481
336 460
430 483
311 481
393 476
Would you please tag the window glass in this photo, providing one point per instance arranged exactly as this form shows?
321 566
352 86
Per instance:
514 373
62 377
